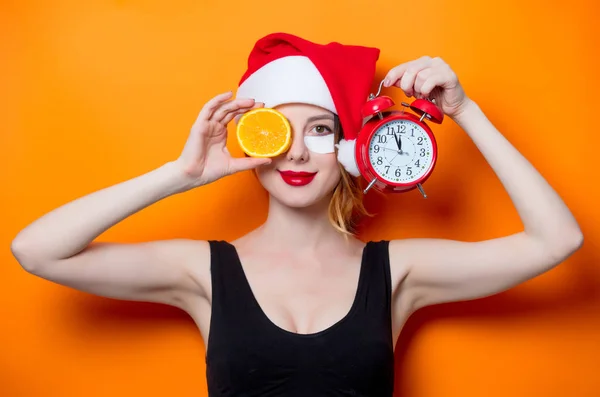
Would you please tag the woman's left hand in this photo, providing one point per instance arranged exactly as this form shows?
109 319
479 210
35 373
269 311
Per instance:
431 78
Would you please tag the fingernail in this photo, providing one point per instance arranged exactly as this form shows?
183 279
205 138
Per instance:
386 82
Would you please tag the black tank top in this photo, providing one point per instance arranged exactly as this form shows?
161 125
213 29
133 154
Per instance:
248 355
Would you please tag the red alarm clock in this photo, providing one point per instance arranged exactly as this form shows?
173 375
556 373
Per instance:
396 151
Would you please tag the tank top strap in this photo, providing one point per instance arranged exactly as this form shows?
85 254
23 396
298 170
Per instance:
376 286
231 297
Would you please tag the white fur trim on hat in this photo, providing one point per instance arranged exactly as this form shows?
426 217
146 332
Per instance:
347 156
291 79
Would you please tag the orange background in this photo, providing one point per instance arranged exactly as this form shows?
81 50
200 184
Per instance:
97 92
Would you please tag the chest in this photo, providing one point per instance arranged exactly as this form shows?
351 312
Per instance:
282 326
302 296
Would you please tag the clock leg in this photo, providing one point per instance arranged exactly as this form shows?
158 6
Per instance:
370 186
421 190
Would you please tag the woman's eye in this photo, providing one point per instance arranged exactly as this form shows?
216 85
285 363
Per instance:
322 130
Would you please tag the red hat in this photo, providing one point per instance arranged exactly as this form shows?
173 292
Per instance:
283 68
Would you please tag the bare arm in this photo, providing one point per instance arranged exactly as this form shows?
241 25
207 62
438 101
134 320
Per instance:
69 229
60 246
445 270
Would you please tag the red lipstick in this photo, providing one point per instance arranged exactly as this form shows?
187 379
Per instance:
297 178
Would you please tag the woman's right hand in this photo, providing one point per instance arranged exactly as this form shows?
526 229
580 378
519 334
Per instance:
205 157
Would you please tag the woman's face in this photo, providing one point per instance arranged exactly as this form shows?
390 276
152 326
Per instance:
308 172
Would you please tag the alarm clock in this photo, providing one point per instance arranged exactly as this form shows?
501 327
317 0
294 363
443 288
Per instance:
396 151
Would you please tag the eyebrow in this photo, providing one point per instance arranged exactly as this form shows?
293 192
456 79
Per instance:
320 117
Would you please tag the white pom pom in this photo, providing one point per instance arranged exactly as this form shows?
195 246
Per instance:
347 156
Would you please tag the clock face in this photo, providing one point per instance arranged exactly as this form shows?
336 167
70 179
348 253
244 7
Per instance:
401 151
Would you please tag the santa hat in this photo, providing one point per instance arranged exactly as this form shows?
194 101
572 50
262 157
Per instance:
283 68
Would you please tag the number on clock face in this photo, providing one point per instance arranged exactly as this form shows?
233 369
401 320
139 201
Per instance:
401 151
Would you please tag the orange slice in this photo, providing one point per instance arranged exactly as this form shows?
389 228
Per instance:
264 132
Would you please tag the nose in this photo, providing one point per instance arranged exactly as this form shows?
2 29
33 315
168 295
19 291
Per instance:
298 151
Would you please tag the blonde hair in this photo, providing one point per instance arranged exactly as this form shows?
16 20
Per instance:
346 205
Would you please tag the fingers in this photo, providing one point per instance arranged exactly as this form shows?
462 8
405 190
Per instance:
419 77
221 109
247 163
430 83
395 74
236 114
407 71
209 107
235 105
408 81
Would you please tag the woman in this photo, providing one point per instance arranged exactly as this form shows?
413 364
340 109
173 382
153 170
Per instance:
300 305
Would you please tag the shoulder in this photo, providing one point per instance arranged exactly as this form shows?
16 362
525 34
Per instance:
190 252
393 254
194 256
404 253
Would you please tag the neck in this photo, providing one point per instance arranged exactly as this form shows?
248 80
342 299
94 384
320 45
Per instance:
306 228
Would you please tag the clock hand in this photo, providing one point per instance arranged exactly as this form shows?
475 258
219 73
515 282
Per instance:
397 151
398 142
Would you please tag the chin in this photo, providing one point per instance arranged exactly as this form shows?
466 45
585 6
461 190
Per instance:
299 193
